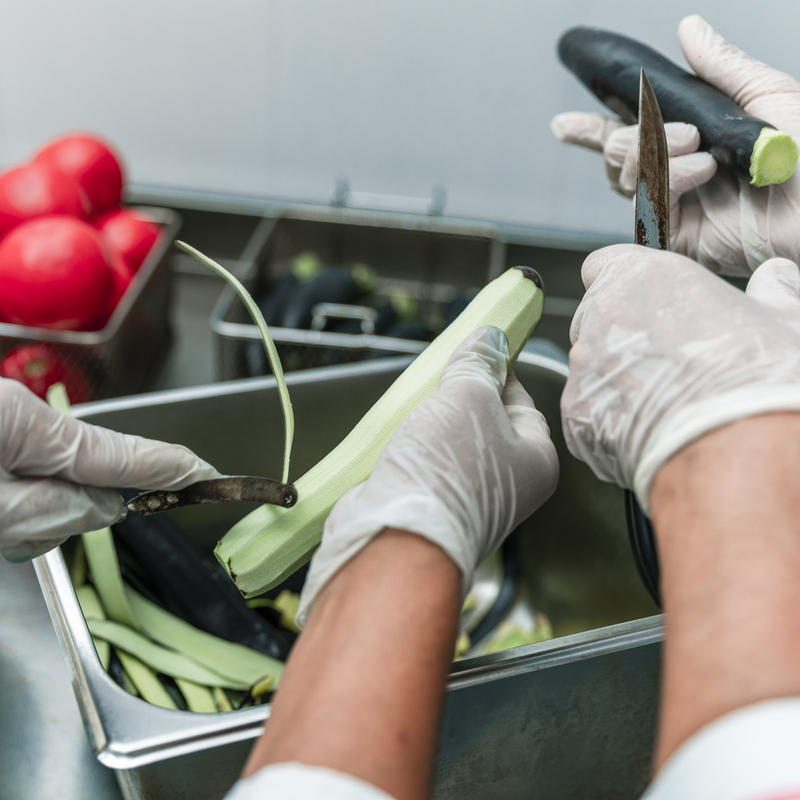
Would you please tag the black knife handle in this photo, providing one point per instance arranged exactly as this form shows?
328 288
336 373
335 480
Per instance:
643 544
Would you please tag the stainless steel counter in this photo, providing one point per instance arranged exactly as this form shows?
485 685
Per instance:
43 750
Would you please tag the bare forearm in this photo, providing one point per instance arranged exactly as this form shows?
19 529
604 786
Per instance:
727 514
363 688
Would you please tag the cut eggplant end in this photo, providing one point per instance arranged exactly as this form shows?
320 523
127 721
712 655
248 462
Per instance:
774 158
532 275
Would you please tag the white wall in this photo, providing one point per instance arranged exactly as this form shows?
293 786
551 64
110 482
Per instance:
279 98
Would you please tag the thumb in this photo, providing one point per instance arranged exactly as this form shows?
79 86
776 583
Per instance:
533 435
527 420
727 67
777 283
481 358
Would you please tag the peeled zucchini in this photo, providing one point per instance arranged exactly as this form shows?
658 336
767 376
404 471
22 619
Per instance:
272 542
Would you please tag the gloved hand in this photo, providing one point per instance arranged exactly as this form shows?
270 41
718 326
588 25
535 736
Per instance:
716 218
52 468
463 469
664 352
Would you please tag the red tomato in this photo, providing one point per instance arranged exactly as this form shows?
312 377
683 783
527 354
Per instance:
121 281
54 274
34 190
130 233
39 366
91 162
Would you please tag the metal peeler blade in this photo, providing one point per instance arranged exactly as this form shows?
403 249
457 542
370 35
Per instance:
216 490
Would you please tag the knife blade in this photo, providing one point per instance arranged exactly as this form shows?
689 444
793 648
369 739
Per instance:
651 230
652 184
216 490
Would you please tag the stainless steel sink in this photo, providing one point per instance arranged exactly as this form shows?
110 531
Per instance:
569 718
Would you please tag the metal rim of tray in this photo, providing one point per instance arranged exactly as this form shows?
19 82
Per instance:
170 223
248 266
128 742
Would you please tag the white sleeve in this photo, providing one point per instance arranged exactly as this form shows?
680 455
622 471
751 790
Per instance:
303 782
750 754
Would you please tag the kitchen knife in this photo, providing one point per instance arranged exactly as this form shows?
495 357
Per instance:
652 230
216 490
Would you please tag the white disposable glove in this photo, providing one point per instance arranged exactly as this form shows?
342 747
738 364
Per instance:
463 469
664 352
716 218
52 468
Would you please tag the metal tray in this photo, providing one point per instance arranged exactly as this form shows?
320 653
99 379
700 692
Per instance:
118 359
429 259
570 718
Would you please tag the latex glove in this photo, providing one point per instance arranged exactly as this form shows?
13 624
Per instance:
463 469
664 352
716 218
52 468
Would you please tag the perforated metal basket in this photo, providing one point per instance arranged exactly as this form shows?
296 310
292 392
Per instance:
117 360
426 258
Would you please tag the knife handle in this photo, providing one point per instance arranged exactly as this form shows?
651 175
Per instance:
216 490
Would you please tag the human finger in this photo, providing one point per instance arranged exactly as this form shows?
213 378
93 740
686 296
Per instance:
526 419
682 139
481 358
777 283
36 514
585 130
731 70
39 441
690 171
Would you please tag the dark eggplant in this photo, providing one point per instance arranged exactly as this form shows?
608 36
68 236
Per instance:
411 330
508 589
454 308
271 304
171 688
115 669
609 65
337 285
387 316
189 589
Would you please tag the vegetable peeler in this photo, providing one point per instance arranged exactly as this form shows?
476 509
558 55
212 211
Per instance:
652 230
216 490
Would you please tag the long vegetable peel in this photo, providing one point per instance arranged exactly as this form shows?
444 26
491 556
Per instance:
234 661
101 556
221 700
199 699
127 683
270 543
160 658
269 346
145 681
